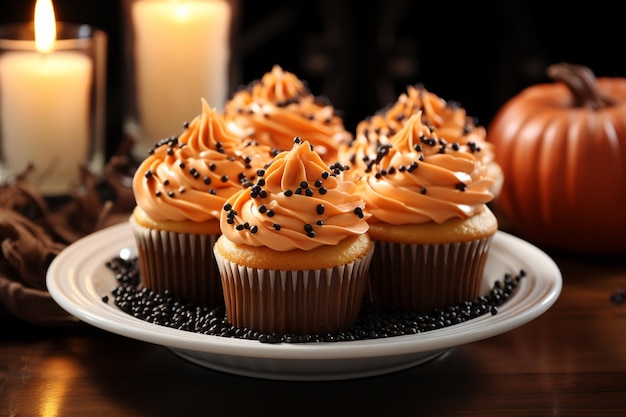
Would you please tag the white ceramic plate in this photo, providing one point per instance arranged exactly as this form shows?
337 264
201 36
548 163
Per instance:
78 279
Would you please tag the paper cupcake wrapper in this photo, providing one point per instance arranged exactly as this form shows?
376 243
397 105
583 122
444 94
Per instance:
181 263
423 277
294 302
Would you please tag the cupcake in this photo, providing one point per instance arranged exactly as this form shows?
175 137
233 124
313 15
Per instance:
448 119
180 189
430 223
278 107
294 249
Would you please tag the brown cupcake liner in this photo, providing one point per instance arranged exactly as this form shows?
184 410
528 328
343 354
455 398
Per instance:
181 263
420 278
294 302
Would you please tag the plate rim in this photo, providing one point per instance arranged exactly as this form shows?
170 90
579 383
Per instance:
103 244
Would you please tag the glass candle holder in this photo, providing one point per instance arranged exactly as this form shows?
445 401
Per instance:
176 53
52 106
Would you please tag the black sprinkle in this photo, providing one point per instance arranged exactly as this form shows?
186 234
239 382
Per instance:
374 321
618 296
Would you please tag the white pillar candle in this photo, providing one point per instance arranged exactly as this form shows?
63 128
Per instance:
181 55
44 108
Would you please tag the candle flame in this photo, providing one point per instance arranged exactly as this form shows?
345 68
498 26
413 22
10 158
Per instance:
45 26
181 10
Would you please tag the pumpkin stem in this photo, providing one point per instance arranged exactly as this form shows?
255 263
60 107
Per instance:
581 82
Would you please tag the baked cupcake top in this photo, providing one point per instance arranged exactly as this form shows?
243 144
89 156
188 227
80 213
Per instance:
190 176
419 177
298 202
278 107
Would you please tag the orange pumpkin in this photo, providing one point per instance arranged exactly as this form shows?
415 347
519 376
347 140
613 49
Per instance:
562 148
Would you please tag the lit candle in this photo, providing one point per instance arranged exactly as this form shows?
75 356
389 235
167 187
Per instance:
181 55
44 108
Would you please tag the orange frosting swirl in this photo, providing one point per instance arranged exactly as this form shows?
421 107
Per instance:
299 202
279 107
418 177
447 119
190 177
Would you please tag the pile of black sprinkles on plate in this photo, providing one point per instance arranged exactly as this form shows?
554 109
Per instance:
374 321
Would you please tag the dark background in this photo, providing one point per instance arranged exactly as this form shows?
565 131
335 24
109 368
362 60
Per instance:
361 55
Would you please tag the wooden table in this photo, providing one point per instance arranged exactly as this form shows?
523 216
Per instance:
571 361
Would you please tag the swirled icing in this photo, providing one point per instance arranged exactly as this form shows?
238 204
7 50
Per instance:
298 202
279 107
418 177
447 119
190 176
